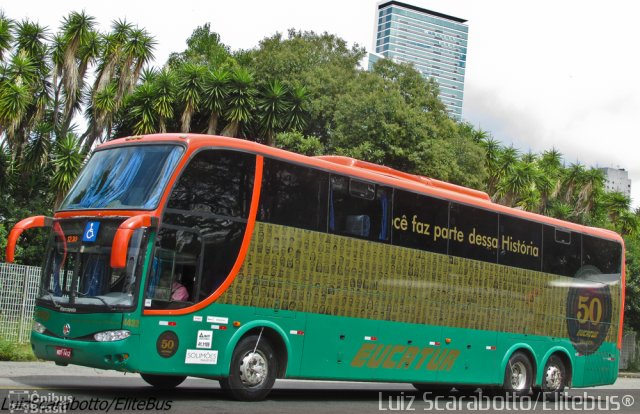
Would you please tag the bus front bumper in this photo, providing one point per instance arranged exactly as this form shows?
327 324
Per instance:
117 355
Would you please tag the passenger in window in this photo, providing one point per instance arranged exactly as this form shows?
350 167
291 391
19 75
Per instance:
179 292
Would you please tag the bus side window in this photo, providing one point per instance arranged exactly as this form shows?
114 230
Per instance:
605 255
520 243
294 195
473 233
359 209
562 251
418 221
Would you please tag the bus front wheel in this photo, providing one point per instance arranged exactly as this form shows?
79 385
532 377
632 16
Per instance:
518 375
253 370
163 381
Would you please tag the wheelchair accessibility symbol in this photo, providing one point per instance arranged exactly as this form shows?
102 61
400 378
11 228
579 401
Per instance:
91 231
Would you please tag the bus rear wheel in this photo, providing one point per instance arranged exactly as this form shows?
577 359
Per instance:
163 382
518 375
554 378
253 370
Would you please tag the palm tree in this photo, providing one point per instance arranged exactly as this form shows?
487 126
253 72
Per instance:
142 110
517 183
550 164
6 37
190 77
100 114
295 117
492 150
125 52
241 101
214 93
573 176
627 223
164 85
106 76
137 51
15 99
272 106
67 161
30 38
616 204
77 29
591 186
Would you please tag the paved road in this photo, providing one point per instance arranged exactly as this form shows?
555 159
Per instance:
105 391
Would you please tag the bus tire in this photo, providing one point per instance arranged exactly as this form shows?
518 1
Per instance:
251 375
518 375
164 382
554 378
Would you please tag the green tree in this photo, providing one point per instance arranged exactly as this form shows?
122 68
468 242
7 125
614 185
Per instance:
67 162
240 103
203 48
272 106
215 93
189 85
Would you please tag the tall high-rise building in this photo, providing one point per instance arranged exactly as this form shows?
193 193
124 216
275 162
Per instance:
435 43
617 179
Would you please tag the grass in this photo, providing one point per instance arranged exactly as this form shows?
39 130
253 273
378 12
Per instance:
11 351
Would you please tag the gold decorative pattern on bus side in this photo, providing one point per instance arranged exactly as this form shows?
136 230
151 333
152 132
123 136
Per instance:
305 271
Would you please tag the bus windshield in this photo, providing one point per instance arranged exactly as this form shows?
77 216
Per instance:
130 178
77 272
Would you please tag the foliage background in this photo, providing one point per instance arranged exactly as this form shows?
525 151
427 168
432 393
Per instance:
63 92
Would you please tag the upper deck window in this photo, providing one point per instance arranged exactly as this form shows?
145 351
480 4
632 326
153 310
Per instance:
129 178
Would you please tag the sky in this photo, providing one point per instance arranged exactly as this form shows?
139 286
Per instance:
540 74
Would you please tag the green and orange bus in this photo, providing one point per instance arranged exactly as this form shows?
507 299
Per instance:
181 255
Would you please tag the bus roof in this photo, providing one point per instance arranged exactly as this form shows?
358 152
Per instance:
363 170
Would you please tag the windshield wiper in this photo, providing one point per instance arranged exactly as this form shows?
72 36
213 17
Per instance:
77 292
51 293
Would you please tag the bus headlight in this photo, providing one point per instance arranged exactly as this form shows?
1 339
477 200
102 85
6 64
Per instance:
110 336
38 327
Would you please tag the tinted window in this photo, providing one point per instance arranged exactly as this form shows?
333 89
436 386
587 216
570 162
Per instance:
606 255
295 196
359 209
473 233
561 255
217 182
202 228
520 243
420 222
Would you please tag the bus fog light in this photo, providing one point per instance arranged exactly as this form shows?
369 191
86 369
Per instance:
38 327
110 336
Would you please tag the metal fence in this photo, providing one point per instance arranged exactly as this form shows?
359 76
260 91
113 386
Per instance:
18 289
629 352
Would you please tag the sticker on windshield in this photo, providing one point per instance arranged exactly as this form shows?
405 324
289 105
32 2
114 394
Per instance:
91 231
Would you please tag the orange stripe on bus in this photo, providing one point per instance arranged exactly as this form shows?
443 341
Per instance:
624 290
246 241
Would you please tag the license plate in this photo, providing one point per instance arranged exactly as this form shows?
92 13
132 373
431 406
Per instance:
63 352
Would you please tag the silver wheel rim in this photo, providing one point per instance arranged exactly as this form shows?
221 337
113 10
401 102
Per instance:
253 369
518 376
553 378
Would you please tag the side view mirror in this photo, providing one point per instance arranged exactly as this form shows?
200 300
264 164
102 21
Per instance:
16 231
123 237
